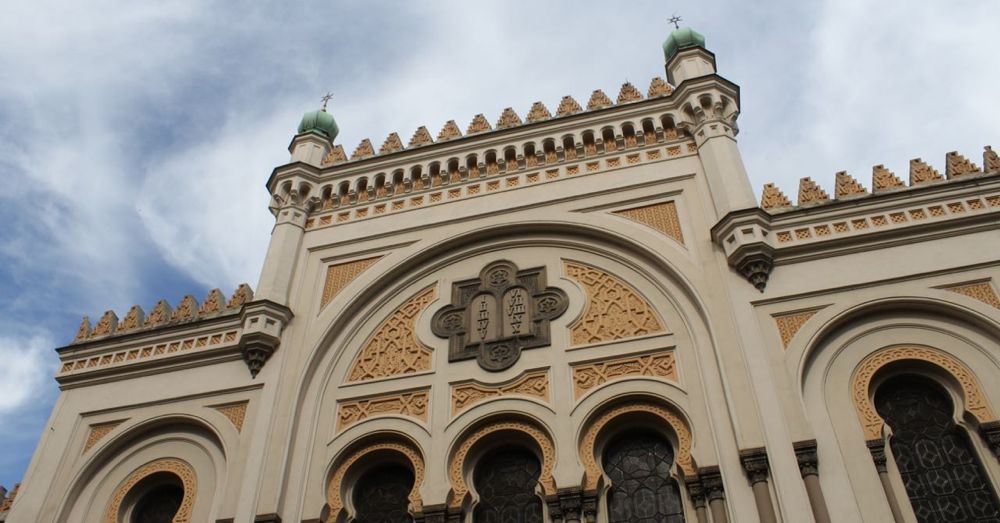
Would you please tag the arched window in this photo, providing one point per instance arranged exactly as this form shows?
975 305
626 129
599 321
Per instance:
382 495
943 476
159 505
506 480
642 490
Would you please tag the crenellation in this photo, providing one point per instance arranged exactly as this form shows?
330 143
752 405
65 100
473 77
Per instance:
659 87
957 166
391 144
991 161
810 193
479 124
921 173
363 150
449 131
508 118
567 106
538 113
884 180
772 199
162 315
421 137
848 187
628 94
598 100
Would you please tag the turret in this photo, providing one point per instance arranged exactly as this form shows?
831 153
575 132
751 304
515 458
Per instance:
314 141
686 57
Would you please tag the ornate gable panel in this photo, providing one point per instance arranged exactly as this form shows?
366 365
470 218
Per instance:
614 309
659 216
394 348
464 395
789 324
413 404
338 276
587 376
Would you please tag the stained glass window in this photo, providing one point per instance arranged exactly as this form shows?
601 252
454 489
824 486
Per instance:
382 495
159 505
943 476
506 482
642 490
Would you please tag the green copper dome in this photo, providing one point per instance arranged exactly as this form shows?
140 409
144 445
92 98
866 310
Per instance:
679 39
320 122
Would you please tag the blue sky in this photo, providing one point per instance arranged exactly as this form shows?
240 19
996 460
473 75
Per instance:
135 138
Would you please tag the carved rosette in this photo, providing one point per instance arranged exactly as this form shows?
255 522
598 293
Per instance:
494 317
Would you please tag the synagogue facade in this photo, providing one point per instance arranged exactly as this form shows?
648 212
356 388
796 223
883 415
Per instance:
583 316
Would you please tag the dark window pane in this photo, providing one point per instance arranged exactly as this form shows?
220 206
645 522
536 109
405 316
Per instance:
159 505
382 495
641 488
942 474
506 481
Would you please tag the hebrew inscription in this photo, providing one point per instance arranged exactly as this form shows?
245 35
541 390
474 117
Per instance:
494 317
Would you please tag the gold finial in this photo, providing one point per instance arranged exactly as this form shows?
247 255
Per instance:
326 99
676 20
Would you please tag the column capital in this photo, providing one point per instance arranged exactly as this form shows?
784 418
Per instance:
805 454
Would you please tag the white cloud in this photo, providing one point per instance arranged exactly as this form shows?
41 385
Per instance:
26 372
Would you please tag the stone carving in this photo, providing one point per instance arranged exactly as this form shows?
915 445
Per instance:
871 422
991 161
508 118
405 448
614 310
567 106
805 454
772 198
392 144
538 113
149 351
660 216
187 310
108 324
83 332
629 93
921 173
394 348
421 137
981 291
592 471
957 165
235 413
172 465
598 100
494 317
847 186
133 319
883 179
214 302
590 375
464 395
658 87
97 432
363 150
413 404
449 131
161 314
810 193
755 464
790 323
242 296
339 275
479 124
458 486
335 156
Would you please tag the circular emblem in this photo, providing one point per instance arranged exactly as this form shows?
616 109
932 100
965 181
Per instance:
547 304
452 321
498 277
498 357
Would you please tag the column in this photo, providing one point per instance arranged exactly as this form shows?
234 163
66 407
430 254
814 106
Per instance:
877 449
805 453
756 466
697 494
711 481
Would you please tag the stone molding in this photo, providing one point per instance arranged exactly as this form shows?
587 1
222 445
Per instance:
177 467
974 401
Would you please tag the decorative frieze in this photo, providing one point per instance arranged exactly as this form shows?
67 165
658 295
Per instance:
151 351
974 401
660 216
587 376
465 394
394 348
789 324
341 274
413 404
614 309
981 291
236 413
97 433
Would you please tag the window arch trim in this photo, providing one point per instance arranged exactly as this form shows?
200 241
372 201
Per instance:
588 452
973 399
175 466
409 451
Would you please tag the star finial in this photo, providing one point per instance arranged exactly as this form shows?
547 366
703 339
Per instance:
326 98
676 20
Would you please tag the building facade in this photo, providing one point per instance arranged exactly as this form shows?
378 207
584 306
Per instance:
584 316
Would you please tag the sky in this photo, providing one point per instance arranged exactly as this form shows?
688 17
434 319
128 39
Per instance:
136 137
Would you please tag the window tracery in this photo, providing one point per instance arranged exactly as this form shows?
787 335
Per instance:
382 495
641 490
941 472
506 480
